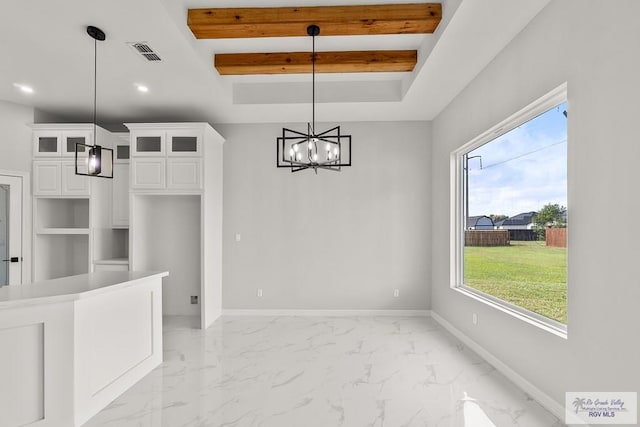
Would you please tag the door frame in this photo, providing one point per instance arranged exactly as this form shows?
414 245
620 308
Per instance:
27 254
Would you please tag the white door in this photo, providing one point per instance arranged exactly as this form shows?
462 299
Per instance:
10 230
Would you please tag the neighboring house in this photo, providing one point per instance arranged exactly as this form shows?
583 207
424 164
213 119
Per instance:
481 222
522 221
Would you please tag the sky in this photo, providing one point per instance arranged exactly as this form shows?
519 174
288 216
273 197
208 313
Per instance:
522 170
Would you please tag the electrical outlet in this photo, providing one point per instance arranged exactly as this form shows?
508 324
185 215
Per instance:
474 319
194 299
259 293
396 293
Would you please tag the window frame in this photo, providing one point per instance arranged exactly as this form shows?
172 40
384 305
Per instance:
457 220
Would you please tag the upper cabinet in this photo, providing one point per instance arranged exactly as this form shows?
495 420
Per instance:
167 156
184 143
59 140
148 143
54 149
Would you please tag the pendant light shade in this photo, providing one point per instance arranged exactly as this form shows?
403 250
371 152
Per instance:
94 160
330 150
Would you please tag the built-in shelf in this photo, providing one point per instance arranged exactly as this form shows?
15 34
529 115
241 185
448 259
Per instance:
56 230
54 213
112 261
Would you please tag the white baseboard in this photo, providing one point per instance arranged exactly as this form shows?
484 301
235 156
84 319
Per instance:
324 313
542 398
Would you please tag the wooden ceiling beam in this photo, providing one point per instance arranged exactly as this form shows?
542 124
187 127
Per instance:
326 62
222 23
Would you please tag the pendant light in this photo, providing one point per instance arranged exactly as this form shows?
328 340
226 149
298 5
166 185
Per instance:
314 150
94 160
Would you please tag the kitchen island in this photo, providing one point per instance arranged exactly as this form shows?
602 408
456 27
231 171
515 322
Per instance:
70 346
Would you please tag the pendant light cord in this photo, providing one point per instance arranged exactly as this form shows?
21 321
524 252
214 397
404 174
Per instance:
95 88
313 84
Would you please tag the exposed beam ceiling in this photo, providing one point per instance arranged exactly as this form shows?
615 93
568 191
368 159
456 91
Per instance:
326 62
221 23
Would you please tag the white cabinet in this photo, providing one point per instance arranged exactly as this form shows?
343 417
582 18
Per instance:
148 143
184 142
121 148
54 148
148 173
166 156
120 210
121 183
46 178
59 140
72 217
184 173
58 178
176 197
72 184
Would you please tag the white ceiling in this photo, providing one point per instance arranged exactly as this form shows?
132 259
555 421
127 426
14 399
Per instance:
43 44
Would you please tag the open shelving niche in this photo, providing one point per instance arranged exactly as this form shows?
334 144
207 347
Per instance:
62 244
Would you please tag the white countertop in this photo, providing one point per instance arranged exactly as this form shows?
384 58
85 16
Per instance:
72 287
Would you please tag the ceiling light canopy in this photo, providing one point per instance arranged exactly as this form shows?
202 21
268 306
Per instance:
328 150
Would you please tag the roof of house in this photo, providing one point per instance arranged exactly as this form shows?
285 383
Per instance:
524 218
474 221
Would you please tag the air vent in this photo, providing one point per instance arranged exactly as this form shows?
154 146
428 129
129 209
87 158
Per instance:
145 51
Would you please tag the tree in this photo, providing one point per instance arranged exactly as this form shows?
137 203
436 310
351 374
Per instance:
551 215
497 218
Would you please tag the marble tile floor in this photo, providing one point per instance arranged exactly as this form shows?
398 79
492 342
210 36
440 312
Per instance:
321 372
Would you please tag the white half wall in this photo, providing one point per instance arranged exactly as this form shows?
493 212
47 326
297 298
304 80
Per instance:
597 54
333 240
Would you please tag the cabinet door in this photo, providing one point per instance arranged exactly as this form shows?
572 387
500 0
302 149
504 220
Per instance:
71 138
120 213
72 184
46 178
122 153
147 173
148 143
184 143
47 143
184 173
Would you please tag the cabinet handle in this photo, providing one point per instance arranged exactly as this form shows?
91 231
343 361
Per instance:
12 259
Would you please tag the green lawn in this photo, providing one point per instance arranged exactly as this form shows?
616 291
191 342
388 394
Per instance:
527 274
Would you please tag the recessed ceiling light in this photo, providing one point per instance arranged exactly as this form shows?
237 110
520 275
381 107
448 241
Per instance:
142 88
24 88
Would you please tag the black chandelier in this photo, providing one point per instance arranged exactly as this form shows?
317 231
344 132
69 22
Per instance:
313 150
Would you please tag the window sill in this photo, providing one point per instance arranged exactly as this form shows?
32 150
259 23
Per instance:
521 314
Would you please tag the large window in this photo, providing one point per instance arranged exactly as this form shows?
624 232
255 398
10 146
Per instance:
511 219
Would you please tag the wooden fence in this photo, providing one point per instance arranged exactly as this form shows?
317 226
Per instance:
486 238
556 237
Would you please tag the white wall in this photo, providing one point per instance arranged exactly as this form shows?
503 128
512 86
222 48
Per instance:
593 45
15 137
332 240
